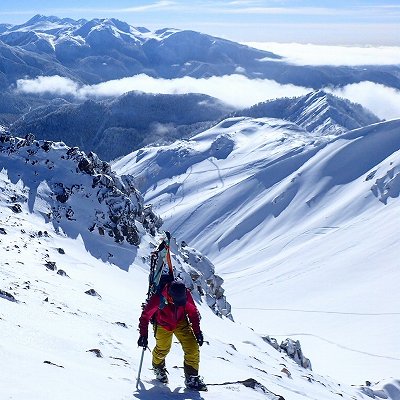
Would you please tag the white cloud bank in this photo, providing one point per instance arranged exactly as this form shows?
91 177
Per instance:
236 90
312 54
383 101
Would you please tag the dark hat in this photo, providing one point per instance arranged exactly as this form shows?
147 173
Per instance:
177 290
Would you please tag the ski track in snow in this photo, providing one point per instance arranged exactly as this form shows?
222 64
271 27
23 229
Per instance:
319 311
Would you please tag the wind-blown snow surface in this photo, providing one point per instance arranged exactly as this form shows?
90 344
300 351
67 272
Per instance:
51 329
304 230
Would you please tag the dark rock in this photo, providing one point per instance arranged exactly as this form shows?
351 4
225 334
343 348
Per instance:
7 296
50 363
70 214
60 250
120 359
62 198
92 292
3 231
85 165
97 352
51 265
16 208
72 151
131 233
46 146
62 273
123 324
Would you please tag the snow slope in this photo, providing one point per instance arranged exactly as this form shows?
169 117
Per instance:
306 224
58 342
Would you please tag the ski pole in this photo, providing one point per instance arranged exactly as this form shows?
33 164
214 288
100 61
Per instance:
140 368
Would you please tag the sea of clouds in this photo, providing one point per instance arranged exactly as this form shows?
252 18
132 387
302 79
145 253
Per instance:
240 91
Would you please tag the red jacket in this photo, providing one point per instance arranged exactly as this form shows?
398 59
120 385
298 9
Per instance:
170 315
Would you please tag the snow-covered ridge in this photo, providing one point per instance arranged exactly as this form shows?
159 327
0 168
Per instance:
79 195
317 112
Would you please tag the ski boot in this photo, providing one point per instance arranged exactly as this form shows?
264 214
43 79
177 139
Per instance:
195 382
161 374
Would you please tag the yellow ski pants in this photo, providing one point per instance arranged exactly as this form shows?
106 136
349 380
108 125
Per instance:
190 347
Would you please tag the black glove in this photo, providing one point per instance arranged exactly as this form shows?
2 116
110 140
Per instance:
143 342
200 338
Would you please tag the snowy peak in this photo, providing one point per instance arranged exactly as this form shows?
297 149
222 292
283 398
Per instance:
325 113
317 112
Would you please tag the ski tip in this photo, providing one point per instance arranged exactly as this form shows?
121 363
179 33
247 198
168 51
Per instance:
168 235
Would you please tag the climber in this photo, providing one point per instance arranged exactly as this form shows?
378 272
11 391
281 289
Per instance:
174 313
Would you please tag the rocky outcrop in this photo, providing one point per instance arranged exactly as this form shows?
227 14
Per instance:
292 348
116 206
79 193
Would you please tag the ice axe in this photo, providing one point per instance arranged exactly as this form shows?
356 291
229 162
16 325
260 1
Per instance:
140 368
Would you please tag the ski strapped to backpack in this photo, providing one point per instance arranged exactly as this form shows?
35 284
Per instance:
161 269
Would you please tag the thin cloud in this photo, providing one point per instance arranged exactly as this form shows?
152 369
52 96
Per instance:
312 54
150 7
289 11
156 6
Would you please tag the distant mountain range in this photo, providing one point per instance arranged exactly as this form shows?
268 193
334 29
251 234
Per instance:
103 49
95 51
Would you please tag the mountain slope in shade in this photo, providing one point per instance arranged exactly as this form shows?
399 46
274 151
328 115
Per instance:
114 127
306 224
317 112
69 320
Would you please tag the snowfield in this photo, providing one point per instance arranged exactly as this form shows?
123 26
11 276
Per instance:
70 306
50 336
303 228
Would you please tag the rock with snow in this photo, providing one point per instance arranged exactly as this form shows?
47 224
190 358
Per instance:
7 296
293 349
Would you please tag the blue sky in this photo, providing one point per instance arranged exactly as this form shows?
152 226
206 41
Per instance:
356 22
